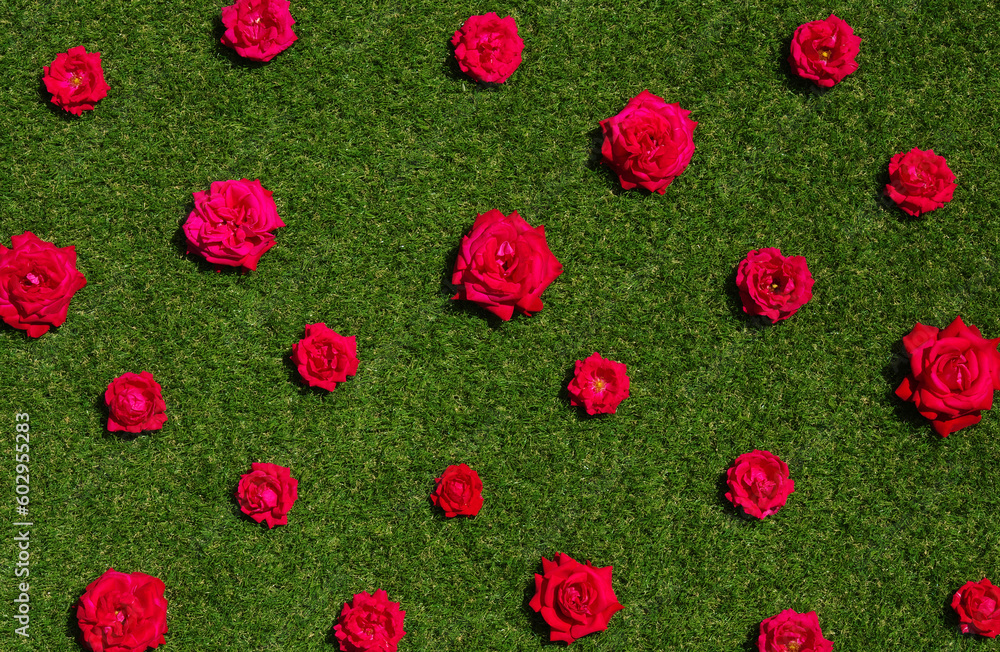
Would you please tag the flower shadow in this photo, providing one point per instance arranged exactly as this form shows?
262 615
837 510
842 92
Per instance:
539 627
72 624
753 635
595 163
885 202
228 53
180 243
793 82
728 508
894 372
950 619
101 406
45 97
735 303
458 306
581 411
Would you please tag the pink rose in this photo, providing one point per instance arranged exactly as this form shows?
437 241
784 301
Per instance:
76 80
599 385
978 607
773 285
267 493
488 48
649 143
324 357
758 482
123 612
824 51
231 224
504 264
953 373
370 623
574 599
135 403
37 281
258 29
920 181
459 491
791 631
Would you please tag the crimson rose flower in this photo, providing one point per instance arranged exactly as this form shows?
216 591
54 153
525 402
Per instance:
135 403
649 143
37 281
324 357
574 599
758 482
123 612
504 264
76 80
953 373
978 607
231 224
258 29
267 493
459 491
599 385
824 51
919 181
370 624
773 285
791 631
488 48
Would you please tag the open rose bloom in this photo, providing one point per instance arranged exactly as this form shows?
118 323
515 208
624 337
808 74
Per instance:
773 285
791 631
123 612
325 357
76 80
978 608
574 599
267 493
488 48
759 483
649 143
370 623
135 403
920 181
599 385
824 51
258 29
459 491
953 374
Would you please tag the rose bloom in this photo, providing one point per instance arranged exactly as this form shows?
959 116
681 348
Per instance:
370 623
488 48
324 357
953 373
919 181
76 80
758 482
504 264
37 281
978 607
135 403
574 599
231 224
123 612
258 29
459 491
824 51
649 143
791 631
599 385
773 285
267 493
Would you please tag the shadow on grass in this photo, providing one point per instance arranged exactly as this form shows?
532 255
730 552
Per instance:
753 634
581 411
459 306
72 624
735 303
453 71
295 378
894 372
793 82
595 162
539 627
45 97
228 53
180 243
728 508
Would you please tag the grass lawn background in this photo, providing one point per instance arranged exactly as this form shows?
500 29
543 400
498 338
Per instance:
380 153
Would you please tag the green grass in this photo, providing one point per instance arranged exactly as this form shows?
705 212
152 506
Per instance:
380 156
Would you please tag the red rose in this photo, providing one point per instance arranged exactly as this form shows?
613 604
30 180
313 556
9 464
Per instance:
791 631
978 607
488 48
231 224
504 264
758 482
459 491
953 374
824 51
324 357
258 29
267 493
919 181
37 281
773 285
123 612
370 624
135 403
574 599
599 385
76 80
649 143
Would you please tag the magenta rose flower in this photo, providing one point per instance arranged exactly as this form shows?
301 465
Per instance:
258 29
920 181
37 281
824 50
649 143
267 493
123 612
459 491
135 403
758 482
325 357
488 48
76 80
773 285
978 607
791 631
504 264
370 623
574 599
599 385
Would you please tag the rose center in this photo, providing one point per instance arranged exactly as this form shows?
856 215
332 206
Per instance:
577 599
505 256
32 279
824 53
793 646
